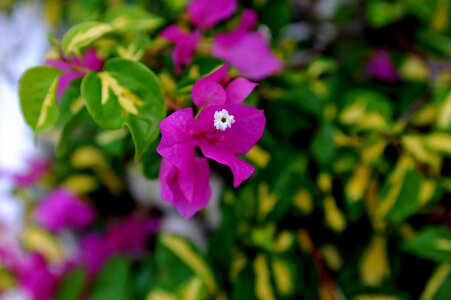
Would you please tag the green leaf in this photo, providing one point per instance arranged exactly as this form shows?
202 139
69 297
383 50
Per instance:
113 280
435 42
382 13
431 243
126 93
82 35
37 93
323 146
71 102
127 18
366 110
439 284
180 260
72 285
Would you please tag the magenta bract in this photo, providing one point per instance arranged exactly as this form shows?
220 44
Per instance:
185 45
62 209
75 67
217 88
248 51
205 14
381 67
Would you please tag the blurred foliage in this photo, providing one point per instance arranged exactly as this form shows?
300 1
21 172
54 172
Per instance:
351 197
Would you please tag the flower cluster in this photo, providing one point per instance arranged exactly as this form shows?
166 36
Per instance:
223 129
243 48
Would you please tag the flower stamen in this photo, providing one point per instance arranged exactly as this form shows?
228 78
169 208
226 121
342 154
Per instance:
222 120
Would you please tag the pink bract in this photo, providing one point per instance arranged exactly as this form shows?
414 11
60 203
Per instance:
36 277
217 88
381 67
62 209
248 51
185 45
75 67
188 190
205 14
36 169
126 237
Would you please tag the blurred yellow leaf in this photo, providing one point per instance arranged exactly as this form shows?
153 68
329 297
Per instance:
80 184
444 113
427 190
440 18
284 241
325 183
356 114
357 184
334 217
53 9
332 257
194 290
303 201
374 266
304 241
238 264
39 240
266 200
183 250
283 277
159 294
259 156
426 115
413 68
435 281
263 287
395 179
440 142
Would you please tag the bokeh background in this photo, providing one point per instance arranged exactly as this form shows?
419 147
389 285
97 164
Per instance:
351 194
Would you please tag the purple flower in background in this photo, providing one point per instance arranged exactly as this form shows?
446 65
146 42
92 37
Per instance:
92 252
185 45
128 237
62 209
36 277
217 88
248 51
205 14
37 168
75 67
221 132
381 67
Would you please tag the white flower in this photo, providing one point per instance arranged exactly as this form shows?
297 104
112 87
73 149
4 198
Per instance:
223 120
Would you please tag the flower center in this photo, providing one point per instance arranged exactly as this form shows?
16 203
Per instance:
222 120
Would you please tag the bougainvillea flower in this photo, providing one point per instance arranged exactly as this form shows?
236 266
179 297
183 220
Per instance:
222 132
75 67
36 277
36 169
205 14
217 88
187 189
248 51
185 45
239 129
128 236
381 67
62 209
92 252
